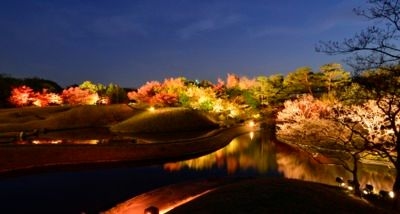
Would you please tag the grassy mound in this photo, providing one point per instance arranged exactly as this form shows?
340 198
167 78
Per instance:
165 120
63 117
276 196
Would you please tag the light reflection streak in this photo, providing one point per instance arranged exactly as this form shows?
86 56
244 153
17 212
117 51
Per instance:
46 142
251 134
183 201
60 141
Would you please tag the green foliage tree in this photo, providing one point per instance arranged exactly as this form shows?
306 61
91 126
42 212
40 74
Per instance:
116 94
301 81
334 77
270 89
99 88
354 94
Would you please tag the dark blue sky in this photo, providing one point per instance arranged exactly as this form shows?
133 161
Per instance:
129 42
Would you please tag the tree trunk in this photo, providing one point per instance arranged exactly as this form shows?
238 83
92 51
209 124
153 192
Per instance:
396 185
356 182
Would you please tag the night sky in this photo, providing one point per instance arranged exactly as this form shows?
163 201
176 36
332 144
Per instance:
129 42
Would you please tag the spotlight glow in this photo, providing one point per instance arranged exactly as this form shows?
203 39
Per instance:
251 123
151 108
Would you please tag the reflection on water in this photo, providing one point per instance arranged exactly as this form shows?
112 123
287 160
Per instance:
62 141
104 136
72 136
256 153
244 153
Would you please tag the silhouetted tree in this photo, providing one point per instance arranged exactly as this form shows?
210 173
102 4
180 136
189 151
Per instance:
374 46
38 84
6 85
374 50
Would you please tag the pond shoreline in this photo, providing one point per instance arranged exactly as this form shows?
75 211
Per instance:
19 158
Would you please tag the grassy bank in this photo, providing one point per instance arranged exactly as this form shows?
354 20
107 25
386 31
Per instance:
63 117
165 120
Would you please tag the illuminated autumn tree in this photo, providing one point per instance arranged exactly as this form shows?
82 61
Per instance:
170 90
220 87
327 128
383 86
159 94
25 96
374 124
232 81
198 98
45 98
238 90
145 93
78 96
54 99
22 96
40 99
376 48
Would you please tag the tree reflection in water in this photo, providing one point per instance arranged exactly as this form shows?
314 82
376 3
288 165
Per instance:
255 154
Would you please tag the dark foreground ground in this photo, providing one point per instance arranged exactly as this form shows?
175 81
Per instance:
249 195
276 196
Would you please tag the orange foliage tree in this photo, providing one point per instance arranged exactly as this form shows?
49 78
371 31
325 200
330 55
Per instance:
25 96
45 99
159 94
22 96
78 96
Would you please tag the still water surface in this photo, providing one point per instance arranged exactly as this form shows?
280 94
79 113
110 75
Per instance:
95 190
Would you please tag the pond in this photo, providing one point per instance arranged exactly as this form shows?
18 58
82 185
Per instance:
97 189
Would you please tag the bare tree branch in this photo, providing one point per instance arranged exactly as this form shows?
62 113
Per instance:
375 46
